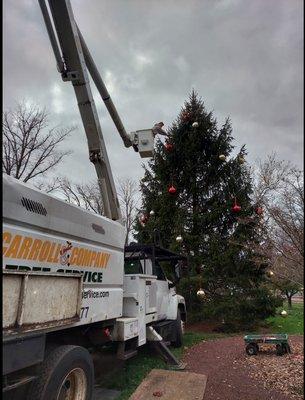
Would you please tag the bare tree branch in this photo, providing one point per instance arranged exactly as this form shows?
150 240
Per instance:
86 196
30 150
279 189
127 191
49 186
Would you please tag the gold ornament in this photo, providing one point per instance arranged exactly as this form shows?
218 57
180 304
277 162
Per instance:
201 293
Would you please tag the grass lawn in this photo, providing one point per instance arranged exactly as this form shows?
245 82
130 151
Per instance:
292 324
136 369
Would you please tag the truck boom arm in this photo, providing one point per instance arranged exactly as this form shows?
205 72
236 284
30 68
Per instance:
73 58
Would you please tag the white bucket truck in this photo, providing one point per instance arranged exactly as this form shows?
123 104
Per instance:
64 285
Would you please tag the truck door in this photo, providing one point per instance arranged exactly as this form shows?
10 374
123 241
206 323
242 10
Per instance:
162 291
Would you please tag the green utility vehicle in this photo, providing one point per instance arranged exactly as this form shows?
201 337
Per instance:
280 341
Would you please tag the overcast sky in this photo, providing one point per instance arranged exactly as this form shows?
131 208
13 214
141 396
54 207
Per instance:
244 57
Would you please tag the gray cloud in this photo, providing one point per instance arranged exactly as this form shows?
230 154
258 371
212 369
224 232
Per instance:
243 57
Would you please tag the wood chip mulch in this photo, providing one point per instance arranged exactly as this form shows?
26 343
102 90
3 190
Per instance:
283 373
233 375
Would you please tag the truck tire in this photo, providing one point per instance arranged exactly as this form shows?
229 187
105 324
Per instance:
66 372
178 331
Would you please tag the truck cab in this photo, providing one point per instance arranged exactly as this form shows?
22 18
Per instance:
165 309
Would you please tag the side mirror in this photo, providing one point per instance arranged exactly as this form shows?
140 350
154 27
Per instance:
178 271
171 285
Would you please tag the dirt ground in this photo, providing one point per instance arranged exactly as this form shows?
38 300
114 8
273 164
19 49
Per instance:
232 374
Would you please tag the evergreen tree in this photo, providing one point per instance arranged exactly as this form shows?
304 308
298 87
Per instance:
220 243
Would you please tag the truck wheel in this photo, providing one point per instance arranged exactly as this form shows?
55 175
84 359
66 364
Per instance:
178 332
66 373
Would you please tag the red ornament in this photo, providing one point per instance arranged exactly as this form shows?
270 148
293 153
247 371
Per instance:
168 146
259 210
172 190
186 116
144 218
236 208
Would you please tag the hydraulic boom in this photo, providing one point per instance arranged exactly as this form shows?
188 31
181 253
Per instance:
73 59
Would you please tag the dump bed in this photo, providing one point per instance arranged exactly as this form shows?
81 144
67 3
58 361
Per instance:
33 301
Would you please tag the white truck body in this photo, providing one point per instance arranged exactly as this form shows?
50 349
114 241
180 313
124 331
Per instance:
46 236
36 229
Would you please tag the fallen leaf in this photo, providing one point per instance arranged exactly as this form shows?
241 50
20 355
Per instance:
157 394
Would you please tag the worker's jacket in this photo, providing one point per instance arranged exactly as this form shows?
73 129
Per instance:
157 130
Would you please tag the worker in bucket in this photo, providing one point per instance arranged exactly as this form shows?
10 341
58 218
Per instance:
157 129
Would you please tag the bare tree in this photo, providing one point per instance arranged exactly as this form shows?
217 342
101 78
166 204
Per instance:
285 279
86 195
279 189
127 194
49 186
30 149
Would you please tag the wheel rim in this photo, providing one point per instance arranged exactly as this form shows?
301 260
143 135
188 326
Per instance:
73 386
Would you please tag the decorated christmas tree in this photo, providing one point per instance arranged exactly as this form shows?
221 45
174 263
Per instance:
197 199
